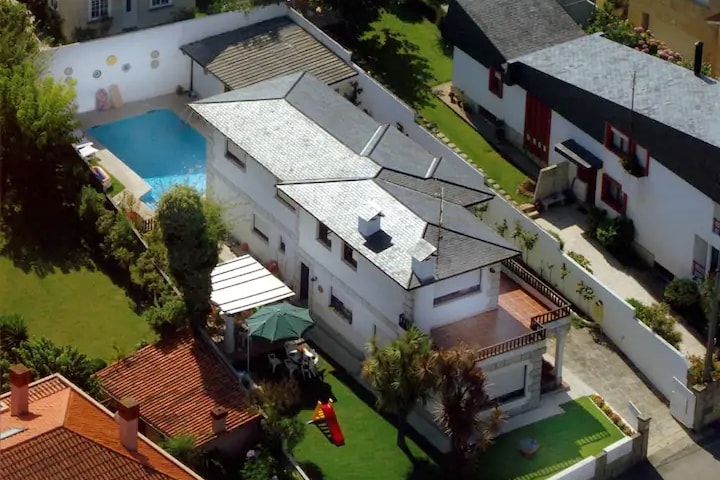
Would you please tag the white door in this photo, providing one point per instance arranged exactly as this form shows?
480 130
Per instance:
130 14
682 404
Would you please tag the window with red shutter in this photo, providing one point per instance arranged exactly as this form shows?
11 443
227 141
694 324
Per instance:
496 82
613 195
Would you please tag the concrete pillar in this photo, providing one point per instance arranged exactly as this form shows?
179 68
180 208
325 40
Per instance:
601 470
640 449
559 352
229 340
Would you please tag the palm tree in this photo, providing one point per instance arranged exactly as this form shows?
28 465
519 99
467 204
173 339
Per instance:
400 373
462 396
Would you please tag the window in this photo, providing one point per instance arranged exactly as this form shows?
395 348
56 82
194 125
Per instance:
282 245
259 228
285 200
455 295
160 3
340 308
348 256
128 5
235 154
99 9
613 195
323 235
621 144
496 82
716 226
645 20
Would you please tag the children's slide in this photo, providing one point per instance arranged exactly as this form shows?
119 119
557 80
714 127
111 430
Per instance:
332 424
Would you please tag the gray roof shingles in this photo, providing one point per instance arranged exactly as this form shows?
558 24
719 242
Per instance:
518 27
266 50
664 92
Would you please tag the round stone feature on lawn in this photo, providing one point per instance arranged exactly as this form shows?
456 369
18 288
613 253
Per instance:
528 446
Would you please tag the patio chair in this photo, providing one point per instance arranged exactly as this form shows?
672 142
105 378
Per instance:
274 361
291 366
307 373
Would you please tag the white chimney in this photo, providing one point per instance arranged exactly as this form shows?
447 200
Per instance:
369 218
128 416
423 260
219 419
19 385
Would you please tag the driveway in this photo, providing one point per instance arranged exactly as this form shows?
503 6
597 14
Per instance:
599 366
643 285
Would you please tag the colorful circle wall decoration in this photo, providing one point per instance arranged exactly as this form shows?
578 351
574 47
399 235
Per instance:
154 54
154 64
126 67
111 60
68 71
97 74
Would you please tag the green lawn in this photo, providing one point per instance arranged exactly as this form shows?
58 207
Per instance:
565 439
405 51
81 307
115 187
370 451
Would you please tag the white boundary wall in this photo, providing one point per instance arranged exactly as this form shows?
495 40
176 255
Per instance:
141 81
652 355
585 469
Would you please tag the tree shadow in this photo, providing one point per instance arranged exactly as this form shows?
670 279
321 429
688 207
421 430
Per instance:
312 471
423 469
413 11
397 63
443 45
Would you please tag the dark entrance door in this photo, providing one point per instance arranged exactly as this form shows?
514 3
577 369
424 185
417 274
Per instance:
589 176
714 254
304 282
537 128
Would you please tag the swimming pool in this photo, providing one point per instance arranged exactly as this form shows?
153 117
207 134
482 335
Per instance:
160 147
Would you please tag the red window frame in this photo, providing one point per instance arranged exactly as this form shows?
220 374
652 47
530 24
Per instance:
632 147
495 82
617 204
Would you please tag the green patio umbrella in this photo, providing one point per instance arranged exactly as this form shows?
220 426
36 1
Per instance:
279 322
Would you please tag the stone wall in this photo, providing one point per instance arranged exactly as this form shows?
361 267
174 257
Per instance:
707 404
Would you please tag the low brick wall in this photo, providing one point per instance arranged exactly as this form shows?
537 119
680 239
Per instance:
707 404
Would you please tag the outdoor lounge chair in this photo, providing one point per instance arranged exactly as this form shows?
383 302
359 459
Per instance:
274 361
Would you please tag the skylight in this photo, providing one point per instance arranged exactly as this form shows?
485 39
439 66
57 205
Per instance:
10 432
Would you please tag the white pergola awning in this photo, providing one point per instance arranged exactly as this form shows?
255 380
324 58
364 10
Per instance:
243 283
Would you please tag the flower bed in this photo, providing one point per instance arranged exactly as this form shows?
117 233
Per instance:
611 414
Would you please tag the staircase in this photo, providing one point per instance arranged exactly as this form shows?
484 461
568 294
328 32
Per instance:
529 210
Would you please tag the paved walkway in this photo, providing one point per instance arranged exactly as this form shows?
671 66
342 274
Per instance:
627 282
600 367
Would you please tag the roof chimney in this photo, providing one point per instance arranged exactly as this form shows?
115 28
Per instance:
19 381
219 419
697 65
423 260
369 218
128 416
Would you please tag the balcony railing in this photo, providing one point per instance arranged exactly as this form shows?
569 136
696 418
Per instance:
562 308
538 334
698 270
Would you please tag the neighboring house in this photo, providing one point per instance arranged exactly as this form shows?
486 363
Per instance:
52 430
260 52
185 389
373 232
85 19
602 107
681 23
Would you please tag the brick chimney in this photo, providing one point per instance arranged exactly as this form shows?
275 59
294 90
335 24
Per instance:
219 420
128 416
19 381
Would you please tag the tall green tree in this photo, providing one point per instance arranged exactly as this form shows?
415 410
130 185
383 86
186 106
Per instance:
191 232
48 21
463 399
401 374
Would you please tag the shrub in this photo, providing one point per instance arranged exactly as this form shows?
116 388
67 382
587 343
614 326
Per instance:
167 315
284 395
260 465
697 364
181 447
279 431
682 294
596 218
657 317
555 234
616 234
13 332
580 259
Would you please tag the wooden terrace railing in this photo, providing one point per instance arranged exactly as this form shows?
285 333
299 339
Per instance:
562 308
538 334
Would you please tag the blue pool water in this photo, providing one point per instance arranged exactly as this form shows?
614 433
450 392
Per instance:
160 148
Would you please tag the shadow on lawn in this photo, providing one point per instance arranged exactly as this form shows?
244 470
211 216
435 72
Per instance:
397 63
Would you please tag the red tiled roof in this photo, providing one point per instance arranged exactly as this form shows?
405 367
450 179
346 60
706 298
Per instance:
177 383
69 436
714 18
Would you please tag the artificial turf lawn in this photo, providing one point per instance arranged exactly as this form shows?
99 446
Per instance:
420 63
116 186
82 308
370 450
565 439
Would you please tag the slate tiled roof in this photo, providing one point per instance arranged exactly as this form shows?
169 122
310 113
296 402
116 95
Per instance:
266 50
519 27
451 192
177 383
68 436
664 92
